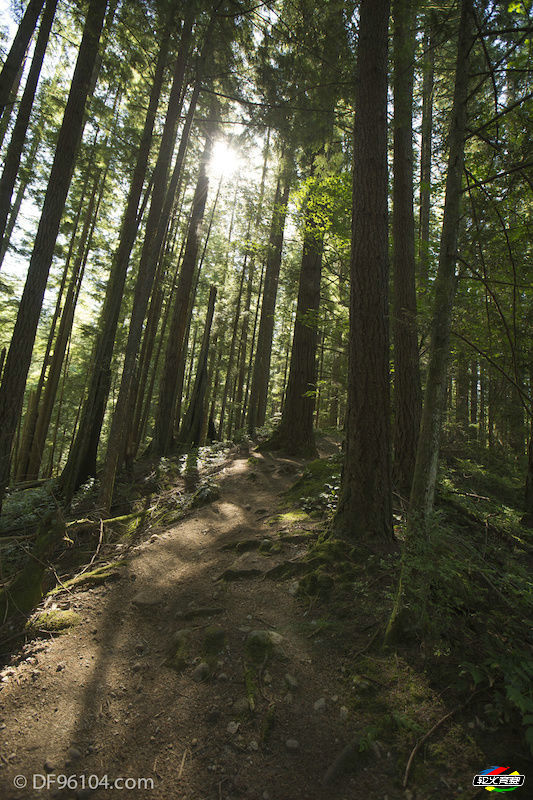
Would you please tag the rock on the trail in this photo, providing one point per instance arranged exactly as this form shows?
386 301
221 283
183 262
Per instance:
320 704
201 672
292 744
180 653
291 681
73 753
233 727
48 766
343 713
146 599
260 644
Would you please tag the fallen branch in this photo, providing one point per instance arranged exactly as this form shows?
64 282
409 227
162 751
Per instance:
426 736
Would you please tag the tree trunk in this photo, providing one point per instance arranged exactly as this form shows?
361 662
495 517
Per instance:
407 389
425 155
365 504
527 519
24 180
81 462
423 490
295 434
23 456
261 371
462 382
15 57
18 137
162 440
147 266
19 356
474 381
194 421
63 334
5 117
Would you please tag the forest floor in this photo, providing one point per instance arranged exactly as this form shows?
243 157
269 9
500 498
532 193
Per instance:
202 668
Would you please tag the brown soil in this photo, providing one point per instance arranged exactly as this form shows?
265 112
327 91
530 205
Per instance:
102 700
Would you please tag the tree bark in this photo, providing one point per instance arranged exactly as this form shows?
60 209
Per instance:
81 462
24 180
425 476
194 422
18 137
147 266
365 503
261 371
16 54
19 356
295 434
407 389
63 334
425 155
162 440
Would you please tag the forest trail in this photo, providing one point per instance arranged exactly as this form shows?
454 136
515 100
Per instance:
102 699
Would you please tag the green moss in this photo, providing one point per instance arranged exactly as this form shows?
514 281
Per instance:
289 517
317 473
54 621
180 650
95 577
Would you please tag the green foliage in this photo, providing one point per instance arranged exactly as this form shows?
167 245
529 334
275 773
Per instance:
24 509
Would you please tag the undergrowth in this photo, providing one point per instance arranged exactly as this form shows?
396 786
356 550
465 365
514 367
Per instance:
476 563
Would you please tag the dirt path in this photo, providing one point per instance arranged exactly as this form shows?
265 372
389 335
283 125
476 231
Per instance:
103 700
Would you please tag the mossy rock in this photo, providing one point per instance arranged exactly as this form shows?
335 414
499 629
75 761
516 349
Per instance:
260 645
55 620
317 582
214 641
107 572
180 649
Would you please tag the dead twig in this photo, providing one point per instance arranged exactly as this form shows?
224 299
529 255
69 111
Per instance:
426 736
180 772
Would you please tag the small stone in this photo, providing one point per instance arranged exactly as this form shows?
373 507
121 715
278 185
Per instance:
291 681
253 745
233 727
146 599
320 704
73 753
335 698
137 666
61 666
48 766
241 706
194 742
292 744
343 713
201 672
222 676
293 588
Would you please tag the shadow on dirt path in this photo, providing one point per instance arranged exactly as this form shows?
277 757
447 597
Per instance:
103 701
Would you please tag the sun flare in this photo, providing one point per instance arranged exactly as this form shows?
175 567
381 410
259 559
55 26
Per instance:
224 159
